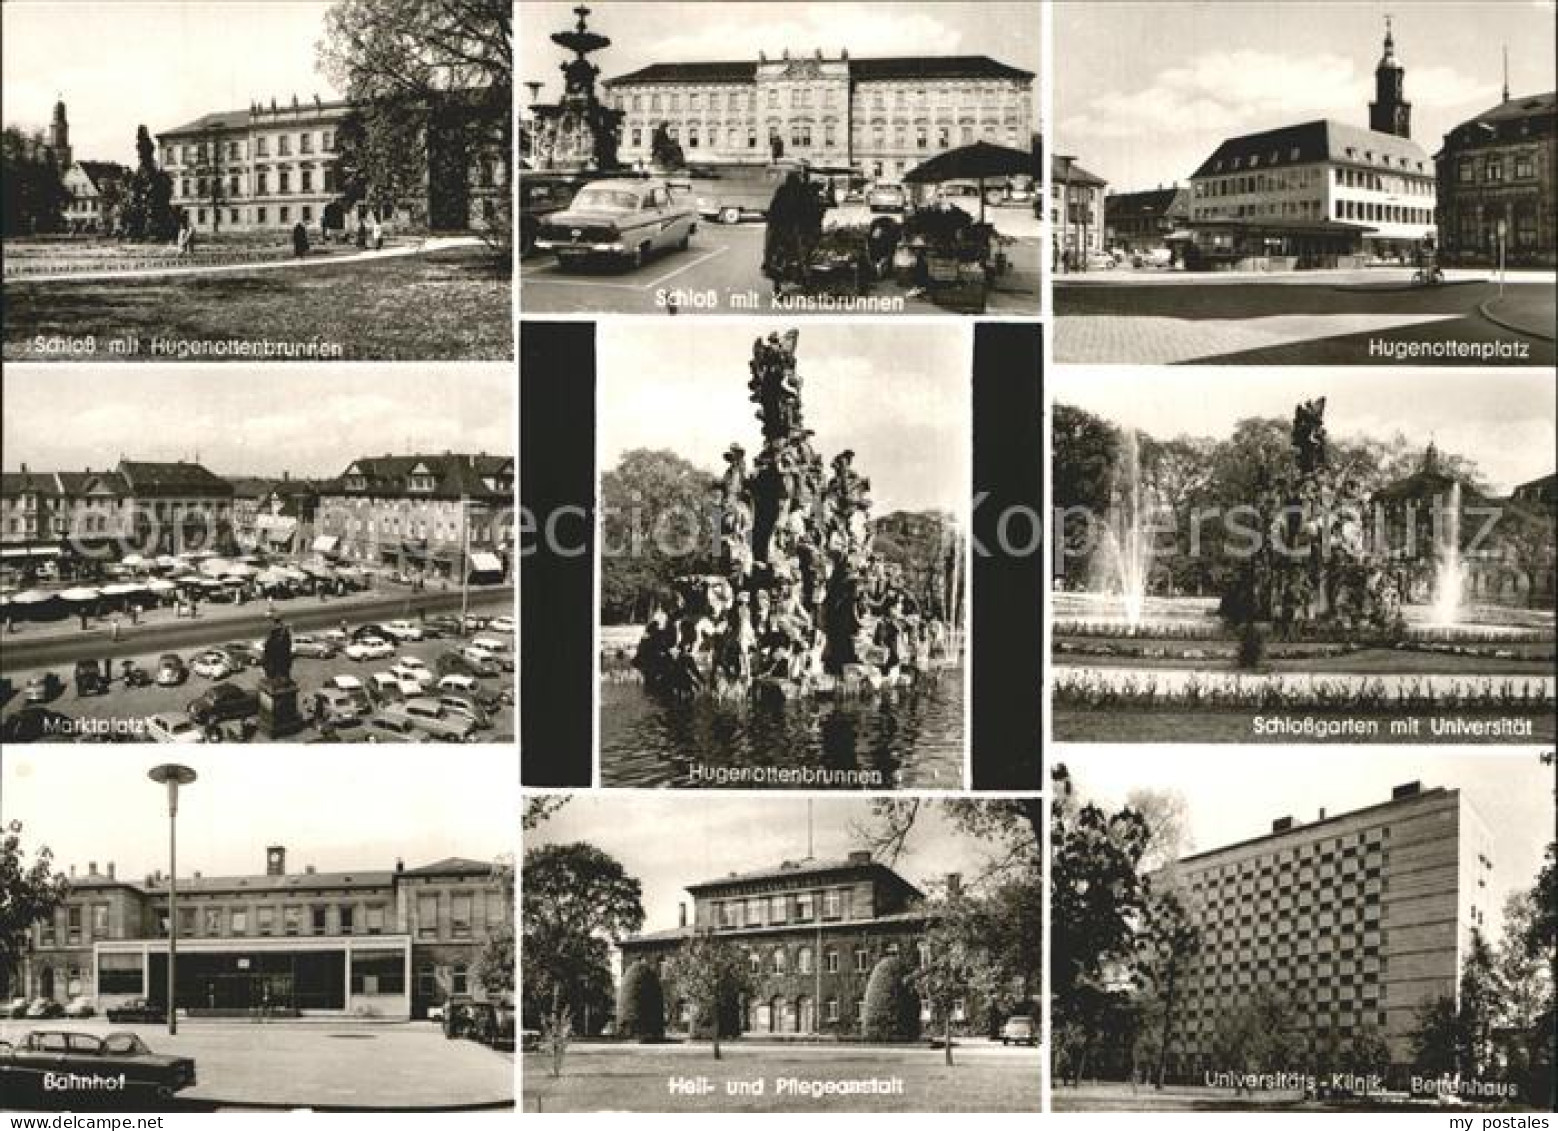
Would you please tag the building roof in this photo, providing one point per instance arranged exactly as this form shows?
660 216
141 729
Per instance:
259 114
290 881
453 866
29 482
1514 119
677 934
1310 142
1064 170
1144 204
63 483
478 476
179 477
1545 486
103 172
859 864
862 70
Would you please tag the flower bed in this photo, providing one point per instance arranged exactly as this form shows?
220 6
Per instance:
1098 690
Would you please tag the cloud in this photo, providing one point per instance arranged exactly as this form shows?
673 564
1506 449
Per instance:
1225 92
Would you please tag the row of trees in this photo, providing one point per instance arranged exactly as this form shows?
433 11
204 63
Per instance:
980 950
33 196
1187 475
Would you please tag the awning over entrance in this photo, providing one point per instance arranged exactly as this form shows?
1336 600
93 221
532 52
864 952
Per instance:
486 563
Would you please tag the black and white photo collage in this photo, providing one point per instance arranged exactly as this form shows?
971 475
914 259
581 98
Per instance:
990 556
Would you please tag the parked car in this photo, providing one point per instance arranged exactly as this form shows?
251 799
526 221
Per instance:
313 647
1020 1030
539 197
37 724
459 684
414 669
136 1011
467 707
369 648
222 702
428 716
625 219
331 705
502 624
352 686
489 1022
43 1008
45 688
173 728
1098 261
80 1006
442 626
391 687
389 727
886 197
44 1053
370 632
171 670
244 653
403 630
91 679
458 663
213 665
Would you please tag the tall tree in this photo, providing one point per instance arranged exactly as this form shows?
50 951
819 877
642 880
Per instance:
956 969
148 205
1166 946
29 893
711 975
494 965
658 524
577 901
451 62
33 199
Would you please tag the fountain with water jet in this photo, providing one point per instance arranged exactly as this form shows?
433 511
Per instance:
1126 559
1448 576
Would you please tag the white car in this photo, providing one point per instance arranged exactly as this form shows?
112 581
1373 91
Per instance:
413 669
173 728
502 624
460 684
212 665
369 648
403 630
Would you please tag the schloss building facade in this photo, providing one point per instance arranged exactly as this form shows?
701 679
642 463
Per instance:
880 116
374 943
1354 921
812 933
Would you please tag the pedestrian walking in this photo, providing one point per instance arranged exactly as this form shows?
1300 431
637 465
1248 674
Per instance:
83 620
135 614
113 627
299 240
378 235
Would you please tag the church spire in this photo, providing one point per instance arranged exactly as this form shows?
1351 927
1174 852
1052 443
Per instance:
1390 112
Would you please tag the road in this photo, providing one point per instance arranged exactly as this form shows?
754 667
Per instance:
1296 320
724 261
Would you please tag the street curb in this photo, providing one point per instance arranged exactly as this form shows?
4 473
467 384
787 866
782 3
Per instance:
1512 327
1404 288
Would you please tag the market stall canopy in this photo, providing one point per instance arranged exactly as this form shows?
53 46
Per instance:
978 162
80 594
239 570
216 567
161 586
31 597
132 560
122 589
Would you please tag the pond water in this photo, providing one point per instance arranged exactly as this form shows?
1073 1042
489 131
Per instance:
899 739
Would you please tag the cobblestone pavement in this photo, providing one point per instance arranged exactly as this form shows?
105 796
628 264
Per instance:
1169 341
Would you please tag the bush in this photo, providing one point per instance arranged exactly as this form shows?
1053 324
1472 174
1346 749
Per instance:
641 1004
892 1013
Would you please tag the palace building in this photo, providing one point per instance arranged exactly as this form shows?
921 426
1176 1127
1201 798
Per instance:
812 931
1317 194
273 166
381 943
881 117
442 516
1354 921
1497 176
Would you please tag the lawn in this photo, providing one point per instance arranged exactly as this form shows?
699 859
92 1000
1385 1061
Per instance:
636 1078
1529 659
450 304
1210 724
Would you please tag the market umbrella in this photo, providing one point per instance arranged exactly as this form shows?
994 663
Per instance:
167 561
271 577
161 586
132 560
81 593
238 569
975 162
122 589
31 597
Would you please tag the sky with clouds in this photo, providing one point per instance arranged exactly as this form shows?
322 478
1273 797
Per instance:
347 811
1501 419
710 30
1233 795
310 419
897 394
1145 89
119 64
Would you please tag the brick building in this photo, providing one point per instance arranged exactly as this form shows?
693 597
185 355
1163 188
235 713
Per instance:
812 932
1355 920
1501 168
373 943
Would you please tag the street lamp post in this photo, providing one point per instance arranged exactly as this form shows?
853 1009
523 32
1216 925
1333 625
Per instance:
172 775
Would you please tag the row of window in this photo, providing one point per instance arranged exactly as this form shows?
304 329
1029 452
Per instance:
776 910
824 97
1292 180
1522 167
262 184
1399 186
236 150
802 136
1377 212
1480 233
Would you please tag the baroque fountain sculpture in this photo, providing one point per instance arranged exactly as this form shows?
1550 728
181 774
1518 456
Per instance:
802 604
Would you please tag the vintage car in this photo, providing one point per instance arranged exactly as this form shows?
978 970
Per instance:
314 647
1020 1030
137 1011
222 702
429 716
80 1006
403 630
168 727
83 1058
489 1022
171 670
625 219
541 196
43 1008
212 665
886 197
44 688
369 648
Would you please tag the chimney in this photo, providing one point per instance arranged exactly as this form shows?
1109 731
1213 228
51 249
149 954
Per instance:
276 860
308 869
1282 824
860 857
681 914
1410 789
92 868
400 865
72 871
1322 815
954 883
197 874
110 869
